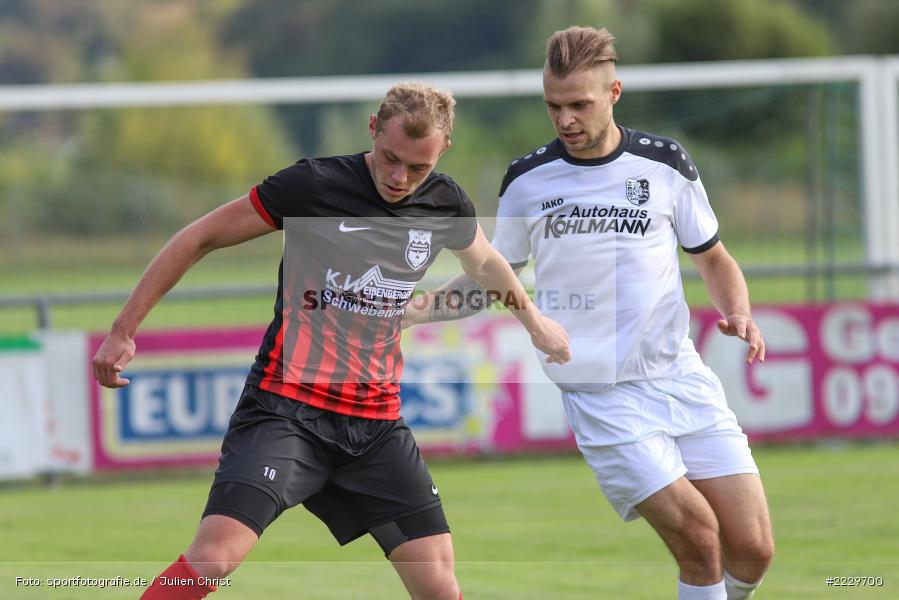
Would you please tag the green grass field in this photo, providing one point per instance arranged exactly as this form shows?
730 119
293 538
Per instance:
526 528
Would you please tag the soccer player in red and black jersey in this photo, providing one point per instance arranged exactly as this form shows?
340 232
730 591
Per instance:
318 422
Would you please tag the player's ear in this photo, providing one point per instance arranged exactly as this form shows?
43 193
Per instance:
373 125
616 90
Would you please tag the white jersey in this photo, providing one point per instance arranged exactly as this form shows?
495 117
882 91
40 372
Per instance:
604 235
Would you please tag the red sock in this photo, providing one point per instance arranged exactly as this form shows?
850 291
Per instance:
178 582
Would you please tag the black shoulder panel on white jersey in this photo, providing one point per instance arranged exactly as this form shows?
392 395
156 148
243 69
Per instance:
661 149
520 166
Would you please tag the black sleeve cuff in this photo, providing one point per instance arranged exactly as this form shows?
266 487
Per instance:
700 249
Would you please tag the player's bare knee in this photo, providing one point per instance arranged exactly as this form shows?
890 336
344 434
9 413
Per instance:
431 581
211 560
704 551
763 553
752 560
770 550
440 585
699 545
699 560
755 546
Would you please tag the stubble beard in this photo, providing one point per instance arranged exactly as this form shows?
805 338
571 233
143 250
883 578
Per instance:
591 143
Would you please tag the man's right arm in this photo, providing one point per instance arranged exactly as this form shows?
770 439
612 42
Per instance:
228 225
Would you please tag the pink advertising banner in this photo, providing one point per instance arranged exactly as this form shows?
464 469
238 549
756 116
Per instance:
476 386
831 371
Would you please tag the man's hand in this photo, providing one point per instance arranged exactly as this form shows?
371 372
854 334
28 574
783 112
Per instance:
745 328
417 310
551 339
111 358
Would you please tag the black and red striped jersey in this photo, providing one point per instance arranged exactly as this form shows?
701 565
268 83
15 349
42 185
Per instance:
350 265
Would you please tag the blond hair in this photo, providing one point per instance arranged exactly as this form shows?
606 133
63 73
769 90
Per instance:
578 48
422 107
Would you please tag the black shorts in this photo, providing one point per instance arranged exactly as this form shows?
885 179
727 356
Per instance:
356 475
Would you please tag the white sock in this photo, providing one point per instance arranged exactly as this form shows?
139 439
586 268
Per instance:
701 592
738 590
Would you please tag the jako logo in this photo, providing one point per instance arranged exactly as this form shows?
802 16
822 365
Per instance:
552 204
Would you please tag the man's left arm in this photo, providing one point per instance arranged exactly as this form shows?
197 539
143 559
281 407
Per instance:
727 288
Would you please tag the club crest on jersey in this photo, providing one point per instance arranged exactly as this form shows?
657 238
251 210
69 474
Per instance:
638 191
419 248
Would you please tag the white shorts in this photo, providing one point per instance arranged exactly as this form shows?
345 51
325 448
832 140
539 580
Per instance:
641 436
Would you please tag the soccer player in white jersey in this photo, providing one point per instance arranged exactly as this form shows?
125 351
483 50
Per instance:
602 209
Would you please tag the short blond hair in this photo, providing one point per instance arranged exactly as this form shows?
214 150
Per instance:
578 48
422 107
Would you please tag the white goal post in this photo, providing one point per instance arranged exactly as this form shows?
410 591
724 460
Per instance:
877 78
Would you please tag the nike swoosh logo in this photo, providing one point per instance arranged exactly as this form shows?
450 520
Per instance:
434 489
343 227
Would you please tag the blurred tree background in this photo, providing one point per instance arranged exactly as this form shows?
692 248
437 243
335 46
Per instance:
133 171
